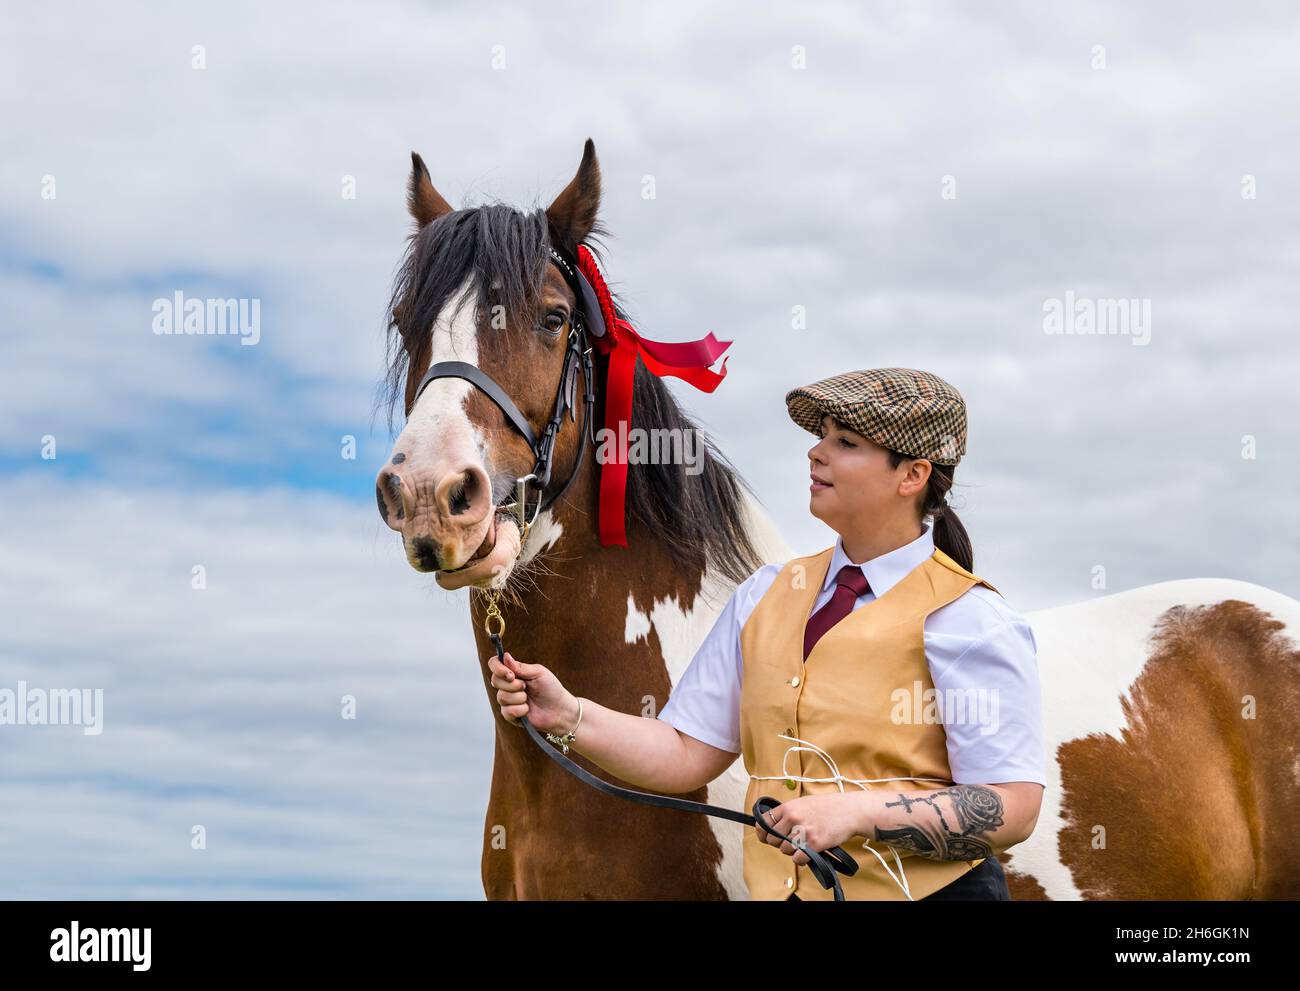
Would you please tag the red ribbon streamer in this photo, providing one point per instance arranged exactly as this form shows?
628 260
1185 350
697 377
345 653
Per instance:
688 361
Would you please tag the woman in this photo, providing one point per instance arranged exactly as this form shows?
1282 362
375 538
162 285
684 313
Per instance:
881 690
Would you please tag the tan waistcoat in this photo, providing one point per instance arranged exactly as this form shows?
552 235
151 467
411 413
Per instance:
843 700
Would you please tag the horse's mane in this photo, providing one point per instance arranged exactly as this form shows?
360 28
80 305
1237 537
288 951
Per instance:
699 518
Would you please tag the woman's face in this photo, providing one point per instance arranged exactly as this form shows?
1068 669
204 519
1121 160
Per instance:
852 479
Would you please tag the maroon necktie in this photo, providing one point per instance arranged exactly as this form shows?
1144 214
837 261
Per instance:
850 583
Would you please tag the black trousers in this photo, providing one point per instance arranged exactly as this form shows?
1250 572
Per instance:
985 883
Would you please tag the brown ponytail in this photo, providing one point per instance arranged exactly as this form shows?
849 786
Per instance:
949 534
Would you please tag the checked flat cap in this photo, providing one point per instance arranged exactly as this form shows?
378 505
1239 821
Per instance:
913 412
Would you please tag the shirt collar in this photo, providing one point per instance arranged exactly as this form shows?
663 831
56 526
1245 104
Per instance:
887 570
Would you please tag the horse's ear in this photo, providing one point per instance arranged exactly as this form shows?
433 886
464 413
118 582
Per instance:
573 214
424 202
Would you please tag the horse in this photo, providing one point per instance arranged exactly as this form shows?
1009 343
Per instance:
1165 781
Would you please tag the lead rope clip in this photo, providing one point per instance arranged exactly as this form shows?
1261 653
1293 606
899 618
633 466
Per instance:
493 597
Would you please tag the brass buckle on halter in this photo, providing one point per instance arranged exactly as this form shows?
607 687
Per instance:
493 597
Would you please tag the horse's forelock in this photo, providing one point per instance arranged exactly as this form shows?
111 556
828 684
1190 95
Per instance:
502 249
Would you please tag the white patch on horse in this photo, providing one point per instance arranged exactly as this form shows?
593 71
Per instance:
545 533
637 624
439 414
1089 655
453 337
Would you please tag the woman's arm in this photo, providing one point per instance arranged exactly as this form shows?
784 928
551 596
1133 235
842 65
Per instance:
960 822
646 753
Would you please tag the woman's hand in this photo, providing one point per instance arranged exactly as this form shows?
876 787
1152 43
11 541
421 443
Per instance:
819 822
532 690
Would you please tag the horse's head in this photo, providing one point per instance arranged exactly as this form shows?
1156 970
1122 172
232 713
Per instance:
478 286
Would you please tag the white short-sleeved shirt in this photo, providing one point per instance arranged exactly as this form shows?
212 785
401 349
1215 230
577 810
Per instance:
977 646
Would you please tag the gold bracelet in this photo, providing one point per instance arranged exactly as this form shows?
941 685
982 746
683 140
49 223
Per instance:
563 741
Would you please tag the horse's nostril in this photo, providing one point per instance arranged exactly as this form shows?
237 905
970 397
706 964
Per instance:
459 501
395 493
462 496
425 553
389 495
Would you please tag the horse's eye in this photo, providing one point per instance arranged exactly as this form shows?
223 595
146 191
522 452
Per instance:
555 321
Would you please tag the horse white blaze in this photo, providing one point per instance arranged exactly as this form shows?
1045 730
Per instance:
439 431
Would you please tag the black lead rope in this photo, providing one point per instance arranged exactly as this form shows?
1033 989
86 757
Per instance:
824 864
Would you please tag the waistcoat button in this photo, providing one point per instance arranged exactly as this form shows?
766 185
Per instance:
795 681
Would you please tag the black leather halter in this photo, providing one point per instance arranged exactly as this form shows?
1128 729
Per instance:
586 322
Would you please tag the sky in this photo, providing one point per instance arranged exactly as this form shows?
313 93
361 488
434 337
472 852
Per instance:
921 183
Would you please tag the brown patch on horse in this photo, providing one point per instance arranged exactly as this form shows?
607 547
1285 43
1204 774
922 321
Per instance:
420 358
509 349
1196 799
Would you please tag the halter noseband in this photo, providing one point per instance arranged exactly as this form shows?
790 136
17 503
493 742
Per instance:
586 322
